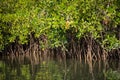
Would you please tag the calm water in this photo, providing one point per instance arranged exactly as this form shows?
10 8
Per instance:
22 68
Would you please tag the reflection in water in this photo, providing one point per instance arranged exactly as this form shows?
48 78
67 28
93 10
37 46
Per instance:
27 68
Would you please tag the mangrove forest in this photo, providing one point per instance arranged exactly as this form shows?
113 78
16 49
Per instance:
67 28
49 33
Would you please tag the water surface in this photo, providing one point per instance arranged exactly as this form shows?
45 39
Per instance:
22 68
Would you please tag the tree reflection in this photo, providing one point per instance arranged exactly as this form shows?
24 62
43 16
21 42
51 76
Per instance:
24 68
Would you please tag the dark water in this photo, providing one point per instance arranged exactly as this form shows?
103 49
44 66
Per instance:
21 68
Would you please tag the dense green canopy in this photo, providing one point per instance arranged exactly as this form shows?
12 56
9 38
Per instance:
99 19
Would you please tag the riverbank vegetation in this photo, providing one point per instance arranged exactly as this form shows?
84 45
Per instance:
87 29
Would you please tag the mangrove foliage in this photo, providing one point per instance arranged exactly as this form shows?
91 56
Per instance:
67 28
